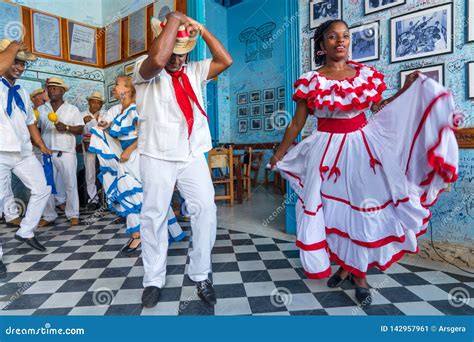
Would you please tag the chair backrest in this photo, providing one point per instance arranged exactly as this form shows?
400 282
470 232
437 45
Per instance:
221 158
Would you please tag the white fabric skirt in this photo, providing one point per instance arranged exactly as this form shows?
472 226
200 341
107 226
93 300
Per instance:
364 195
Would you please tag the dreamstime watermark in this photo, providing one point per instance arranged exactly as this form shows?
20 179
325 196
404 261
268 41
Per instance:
14 30
374 289
16 208
22 288
46 330
287 22
281 297
458 296
279 209
102 297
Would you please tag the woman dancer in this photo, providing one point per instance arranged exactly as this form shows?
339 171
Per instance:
119 163
364 188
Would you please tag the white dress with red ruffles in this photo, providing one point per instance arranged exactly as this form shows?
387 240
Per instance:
364 188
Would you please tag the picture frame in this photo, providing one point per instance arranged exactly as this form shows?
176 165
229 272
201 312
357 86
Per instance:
242 112
256 110
110 94
128 68
243 125
470 79
324 10
269 94
313 65
434 33
137 32
269 124
365 42
242 98
281 92
372 6
113 43
269 108
436 72
281 106
46 35
255 96
82 43
256 124
470 19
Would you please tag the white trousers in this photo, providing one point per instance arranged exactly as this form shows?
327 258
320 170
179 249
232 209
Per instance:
31 174
10 208
65 166
91 174
195 186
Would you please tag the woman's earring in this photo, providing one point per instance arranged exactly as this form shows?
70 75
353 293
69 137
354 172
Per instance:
321 52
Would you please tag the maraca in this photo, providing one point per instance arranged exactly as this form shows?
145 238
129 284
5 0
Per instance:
37 114
53 117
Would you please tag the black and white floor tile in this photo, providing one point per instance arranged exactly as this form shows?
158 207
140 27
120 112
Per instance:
83 272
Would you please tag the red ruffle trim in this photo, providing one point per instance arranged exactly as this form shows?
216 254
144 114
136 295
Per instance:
315 96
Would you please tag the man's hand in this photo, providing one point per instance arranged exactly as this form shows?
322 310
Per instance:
193 27
45 150
87 119
20 46
60 127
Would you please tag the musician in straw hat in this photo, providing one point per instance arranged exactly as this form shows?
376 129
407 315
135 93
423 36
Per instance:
174 135
60 122
91 117
17 128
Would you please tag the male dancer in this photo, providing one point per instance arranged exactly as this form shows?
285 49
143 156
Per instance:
17 128
174 135
60 137
91 118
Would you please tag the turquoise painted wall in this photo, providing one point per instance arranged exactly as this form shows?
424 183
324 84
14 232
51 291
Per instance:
453 215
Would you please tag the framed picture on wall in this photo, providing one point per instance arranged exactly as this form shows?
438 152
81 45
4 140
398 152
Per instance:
110 93
113 42
242 98
470 80
470 19
281 106
268 108
311 55
372 6
137 32
324 10
46 34
256 110
269 95
242 112
255 96
243 125
128 68
255 124
436 72
82 43
269 124
281 92
424 33
365 42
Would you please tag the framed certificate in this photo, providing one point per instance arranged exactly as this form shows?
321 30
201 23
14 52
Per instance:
162 7
82 43
11 22
137 34
113 42
46 34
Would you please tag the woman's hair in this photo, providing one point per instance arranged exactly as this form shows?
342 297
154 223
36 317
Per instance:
129 84
319 38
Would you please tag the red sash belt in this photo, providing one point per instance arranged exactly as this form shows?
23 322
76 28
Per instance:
331 125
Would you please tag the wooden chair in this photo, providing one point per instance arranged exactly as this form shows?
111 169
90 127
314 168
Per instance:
246 170
222 158
255 167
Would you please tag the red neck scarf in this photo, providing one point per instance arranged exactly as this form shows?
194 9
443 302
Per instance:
184 95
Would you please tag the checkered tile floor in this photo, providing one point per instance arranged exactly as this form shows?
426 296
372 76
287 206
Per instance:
83 273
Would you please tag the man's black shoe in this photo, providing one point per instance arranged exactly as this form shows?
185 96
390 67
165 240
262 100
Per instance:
33 242
206 292
150 296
